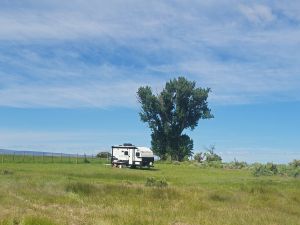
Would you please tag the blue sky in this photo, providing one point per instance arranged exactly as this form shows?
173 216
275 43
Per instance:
69 72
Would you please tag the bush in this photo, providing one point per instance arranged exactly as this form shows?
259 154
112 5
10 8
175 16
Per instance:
265 170
211 156
235 165
86 160
80 188
35 220
104 155
289 170
152 182
176 163
199 157
7 172
295 163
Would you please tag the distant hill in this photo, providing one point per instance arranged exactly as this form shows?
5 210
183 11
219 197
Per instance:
36 153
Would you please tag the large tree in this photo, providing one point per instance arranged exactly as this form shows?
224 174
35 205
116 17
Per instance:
179 106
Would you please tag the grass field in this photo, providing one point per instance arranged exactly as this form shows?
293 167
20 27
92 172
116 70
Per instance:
62 193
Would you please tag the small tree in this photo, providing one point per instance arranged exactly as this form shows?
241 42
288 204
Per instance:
211 156
199 157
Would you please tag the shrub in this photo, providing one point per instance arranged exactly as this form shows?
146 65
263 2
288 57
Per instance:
35 220
5 222
272 167
265 170
176 163
199 157
295 173
258 188
7 172
238 165
152 182
80 188
211 156
104 155
235 165
295 163
215 164
85 159
219 197
289 170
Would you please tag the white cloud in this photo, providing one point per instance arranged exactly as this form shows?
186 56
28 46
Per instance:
92 95
47 48
258 13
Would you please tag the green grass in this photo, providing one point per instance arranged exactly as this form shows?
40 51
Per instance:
49 159
66 193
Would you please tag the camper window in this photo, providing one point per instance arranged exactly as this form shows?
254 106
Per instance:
126 153
137 154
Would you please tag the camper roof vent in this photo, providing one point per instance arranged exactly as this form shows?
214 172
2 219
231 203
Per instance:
128 144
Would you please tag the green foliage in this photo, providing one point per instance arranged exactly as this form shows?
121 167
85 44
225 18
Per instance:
295 163
199 157
219 197
159 183
103 155
35 220
5 222
236 165
85 160
6 172
290 170
178 107
80 188
176 163
212 164
28 220
211 156
268 169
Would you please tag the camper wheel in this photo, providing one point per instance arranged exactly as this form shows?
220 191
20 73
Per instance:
120 166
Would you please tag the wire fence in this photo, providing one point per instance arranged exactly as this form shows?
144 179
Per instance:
49 157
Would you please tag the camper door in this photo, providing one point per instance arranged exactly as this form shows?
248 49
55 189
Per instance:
131 155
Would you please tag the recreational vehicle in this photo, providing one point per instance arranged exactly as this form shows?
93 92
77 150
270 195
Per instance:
131 156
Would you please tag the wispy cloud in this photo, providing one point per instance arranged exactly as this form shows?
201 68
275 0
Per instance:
259 14
90 142
96 54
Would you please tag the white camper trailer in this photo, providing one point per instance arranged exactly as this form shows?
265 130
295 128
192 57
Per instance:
130 155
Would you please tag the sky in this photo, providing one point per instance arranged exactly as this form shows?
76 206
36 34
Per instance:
69 72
